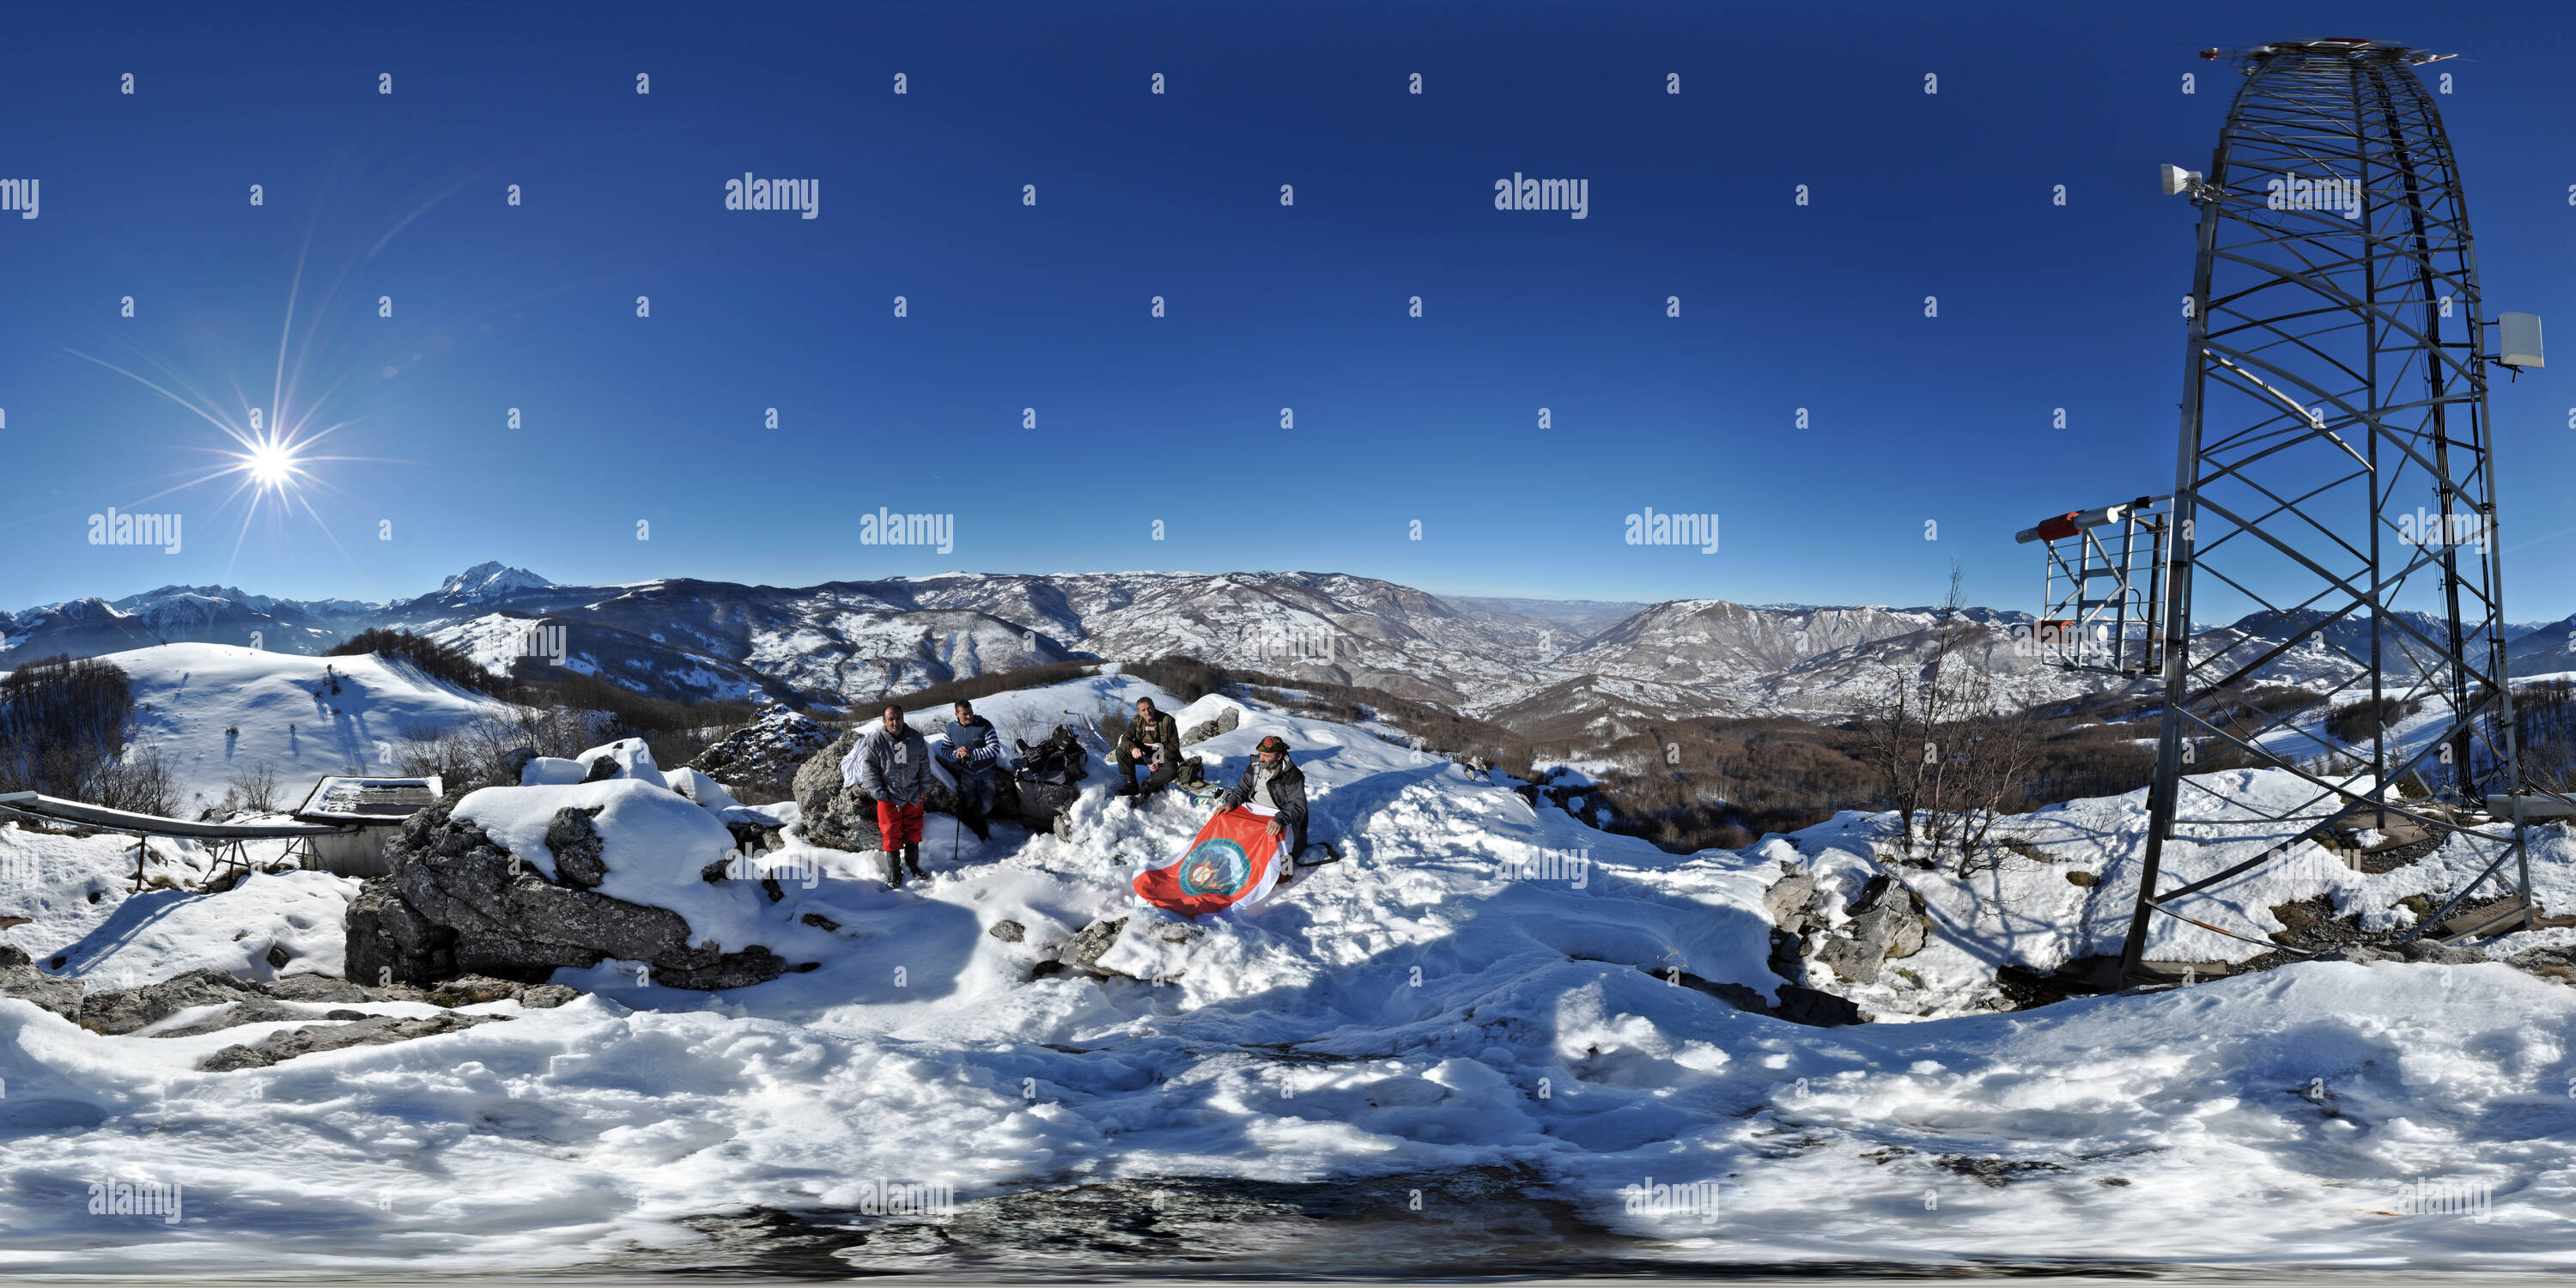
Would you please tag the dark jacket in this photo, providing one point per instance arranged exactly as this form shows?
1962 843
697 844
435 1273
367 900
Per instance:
983 746
1163 730
894 768
1288 789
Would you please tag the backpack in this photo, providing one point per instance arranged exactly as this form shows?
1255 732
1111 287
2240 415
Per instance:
1060 758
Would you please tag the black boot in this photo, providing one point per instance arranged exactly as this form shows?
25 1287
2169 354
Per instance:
893 869
983 831
912 860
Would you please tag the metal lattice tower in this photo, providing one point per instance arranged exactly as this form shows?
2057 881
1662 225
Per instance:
2334 498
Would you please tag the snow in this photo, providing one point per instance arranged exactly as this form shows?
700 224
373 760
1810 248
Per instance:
186 696
1422 1005
76 896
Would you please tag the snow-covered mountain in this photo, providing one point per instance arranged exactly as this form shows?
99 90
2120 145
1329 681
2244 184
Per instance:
485 582
1570 669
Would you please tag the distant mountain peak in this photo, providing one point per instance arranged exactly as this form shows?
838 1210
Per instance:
490 579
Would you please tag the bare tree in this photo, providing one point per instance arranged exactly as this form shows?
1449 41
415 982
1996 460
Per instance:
255 788
1948 756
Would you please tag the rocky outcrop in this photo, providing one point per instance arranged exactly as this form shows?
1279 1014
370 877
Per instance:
843 818
1226 721
761 758
19 978
125 1010
1887 921
1084 950
372 1030
457 903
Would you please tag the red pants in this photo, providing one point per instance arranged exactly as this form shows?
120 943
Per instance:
899 824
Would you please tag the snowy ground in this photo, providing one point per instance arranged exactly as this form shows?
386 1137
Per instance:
1422 1007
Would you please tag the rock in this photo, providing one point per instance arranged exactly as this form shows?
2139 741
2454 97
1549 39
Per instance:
1009 932
452 905
514 764
1888 922
1083 951
2441 954
1227 721
1994 1172
1800 1004
576 844
123 1010
545 997
277 957
259 1011
474 990
2557 964
1178 934
389 942
2082 878
320 988
1791 902
20 979
820 922
375 1030
843 818
624 758
762 758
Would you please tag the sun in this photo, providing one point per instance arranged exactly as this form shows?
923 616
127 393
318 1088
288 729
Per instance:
272 464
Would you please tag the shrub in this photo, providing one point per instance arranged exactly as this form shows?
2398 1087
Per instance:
255 788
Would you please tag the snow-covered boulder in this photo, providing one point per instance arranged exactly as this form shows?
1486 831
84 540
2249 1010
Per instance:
624 758
516 882
542 771
701 790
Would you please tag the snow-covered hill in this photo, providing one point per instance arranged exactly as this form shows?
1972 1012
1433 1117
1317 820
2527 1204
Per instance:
215 711
1484 1005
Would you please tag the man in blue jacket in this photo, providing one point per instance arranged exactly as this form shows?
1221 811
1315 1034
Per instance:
975 757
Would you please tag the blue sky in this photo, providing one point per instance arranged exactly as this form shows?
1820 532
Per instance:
662 419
